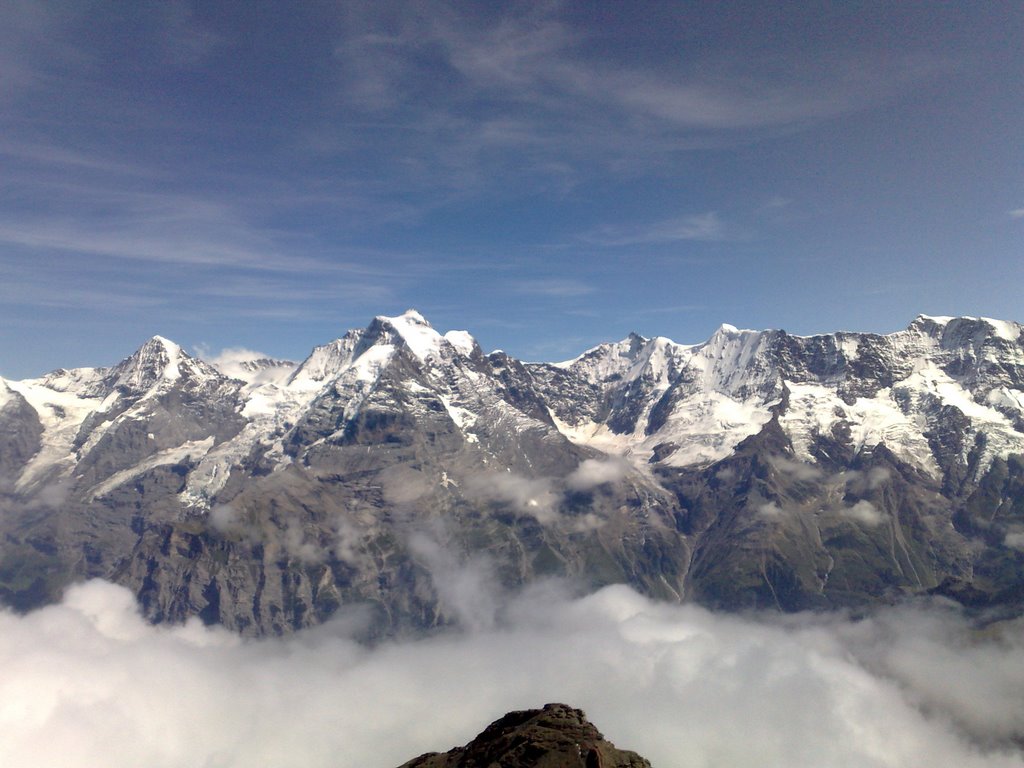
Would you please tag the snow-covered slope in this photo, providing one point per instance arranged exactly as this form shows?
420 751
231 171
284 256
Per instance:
685 405
651 400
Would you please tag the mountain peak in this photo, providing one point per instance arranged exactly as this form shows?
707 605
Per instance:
158 346
730 331
966 330
158 360
419 335
413 316
556 735
162 341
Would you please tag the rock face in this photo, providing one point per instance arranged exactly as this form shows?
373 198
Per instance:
556 736
756 469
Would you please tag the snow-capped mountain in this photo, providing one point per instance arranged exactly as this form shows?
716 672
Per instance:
756 468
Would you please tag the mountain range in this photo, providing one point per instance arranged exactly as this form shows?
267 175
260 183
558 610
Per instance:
408 473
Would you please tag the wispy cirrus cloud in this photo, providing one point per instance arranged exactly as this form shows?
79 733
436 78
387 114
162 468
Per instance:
480 85
143 224
553 287
703 226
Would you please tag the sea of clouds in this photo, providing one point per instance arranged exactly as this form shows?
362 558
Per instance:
89 683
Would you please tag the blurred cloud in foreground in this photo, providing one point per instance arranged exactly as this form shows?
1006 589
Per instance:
89 683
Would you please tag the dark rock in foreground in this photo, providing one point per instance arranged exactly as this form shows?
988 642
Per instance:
556 736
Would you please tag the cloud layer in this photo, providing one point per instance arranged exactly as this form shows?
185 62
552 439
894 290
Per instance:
88 683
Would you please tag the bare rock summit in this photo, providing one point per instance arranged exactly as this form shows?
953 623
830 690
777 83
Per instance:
556 736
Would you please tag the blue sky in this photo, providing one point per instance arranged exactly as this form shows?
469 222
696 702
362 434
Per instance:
547 175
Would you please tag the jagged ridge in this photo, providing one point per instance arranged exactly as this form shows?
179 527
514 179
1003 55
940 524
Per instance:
756 468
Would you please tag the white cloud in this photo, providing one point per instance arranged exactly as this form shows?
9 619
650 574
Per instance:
863 512
301 545
403 485
348 545
558 288
533 496
775 203
861 482
466 589
1014 540
878 476
592 473
224 518
799 470
771 510
231 361
1017 213
701 226
88 683
534 92
538 498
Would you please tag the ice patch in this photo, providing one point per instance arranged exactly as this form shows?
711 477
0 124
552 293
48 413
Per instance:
706 428
422 340
61 415
182 453
1004 330
1002 397
462 341
171 371
815 408
368 366
463 417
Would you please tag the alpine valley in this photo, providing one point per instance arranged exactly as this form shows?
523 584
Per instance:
399 469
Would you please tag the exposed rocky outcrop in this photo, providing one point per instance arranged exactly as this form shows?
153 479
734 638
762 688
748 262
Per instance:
556 736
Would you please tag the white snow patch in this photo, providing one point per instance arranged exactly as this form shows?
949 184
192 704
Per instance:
593 434
1003 397
461 340
323 363
184 452
939 319
61 415
930 378
368 366
464 418
262 402
1004 329
850 346
707 427
422 340
815 408
171 371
